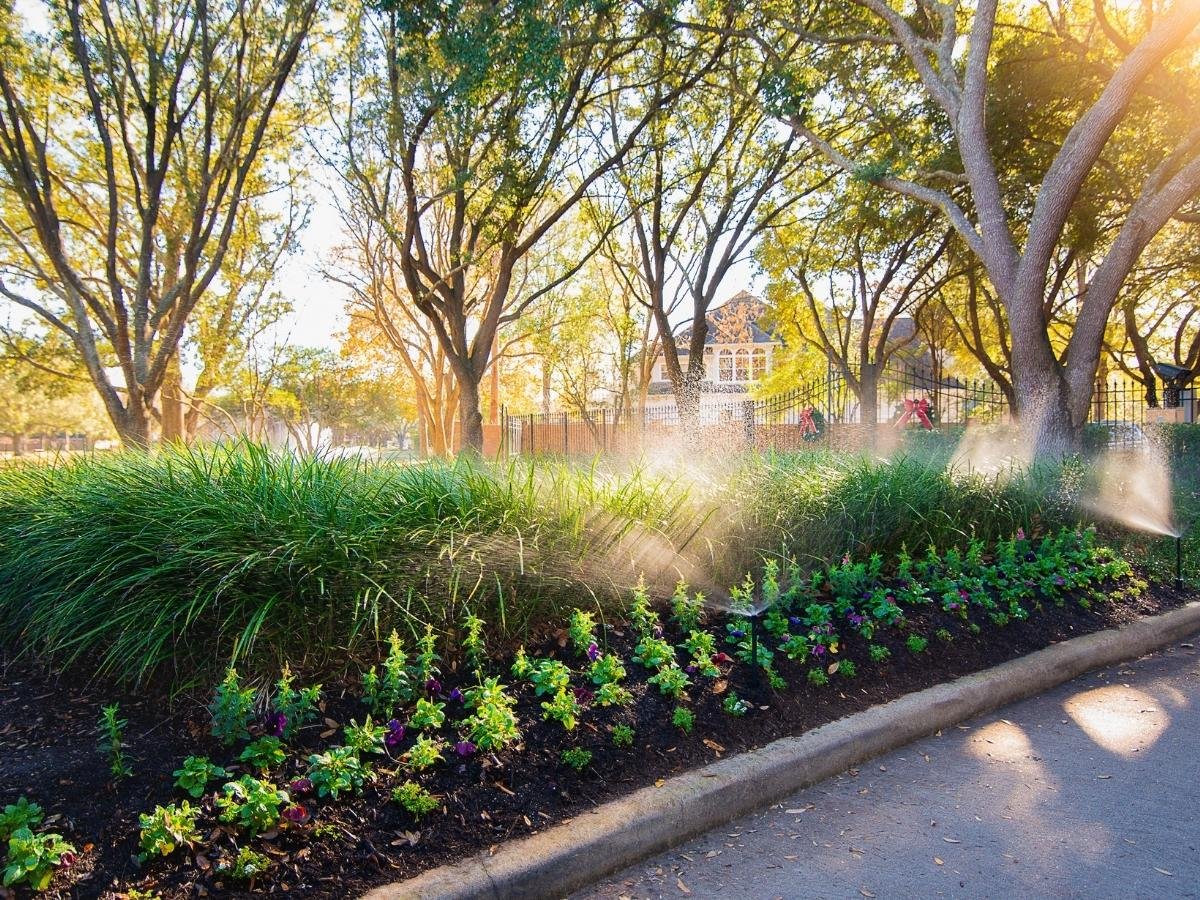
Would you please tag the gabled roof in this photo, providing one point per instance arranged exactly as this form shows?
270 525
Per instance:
739 320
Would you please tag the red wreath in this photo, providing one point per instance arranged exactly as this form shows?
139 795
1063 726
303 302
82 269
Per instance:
921 409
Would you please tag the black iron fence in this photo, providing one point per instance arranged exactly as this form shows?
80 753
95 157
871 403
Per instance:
829 410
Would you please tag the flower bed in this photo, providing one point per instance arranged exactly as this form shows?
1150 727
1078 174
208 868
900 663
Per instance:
437 752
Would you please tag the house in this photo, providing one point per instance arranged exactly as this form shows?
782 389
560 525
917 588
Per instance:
739 350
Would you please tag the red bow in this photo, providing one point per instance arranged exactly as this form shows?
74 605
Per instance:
921 408
807 425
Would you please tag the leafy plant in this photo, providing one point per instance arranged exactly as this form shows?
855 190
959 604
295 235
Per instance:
582 630
607 669
472 642
622 736
335 771
424 753
735 705
549 676
612 695
521 667
671 680
264 754
232 709
427 657
686 611
248 865
428 715
367 737
702 646
21 814
916 643
385 693
563 708
252 804
195 774
298 707
167 828
577 758
878 652
32 858
641 614
653 653
414 798
847 668
112 741
817 677
684 719
492 723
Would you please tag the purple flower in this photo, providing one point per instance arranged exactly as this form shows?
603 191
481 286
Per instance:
795 621
593 652
433 686
583 695
1020 534
818 650
296 814
1059 580
737 633
720 658
690 669
952 606
855 619
658 632
395 733
456 695
464 748
276 724
300 786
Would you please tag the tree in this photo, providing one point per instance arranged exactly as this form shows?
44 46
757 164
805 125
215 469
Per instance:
128 137
470 130
845 277
702 188
936 64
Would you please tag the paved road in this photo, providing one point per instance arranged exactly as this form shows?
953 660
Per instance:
1090 790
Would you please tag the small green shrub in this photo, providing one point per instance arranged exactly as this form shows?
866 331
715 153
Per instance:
563 708
414 798
424 753
264 753
297 706
492 723
21 814
335 771
232 709
622 736
683 719
167 828
247 866
428 715
367 737
577 758
195 774
32 858
112 741
916 644
253 805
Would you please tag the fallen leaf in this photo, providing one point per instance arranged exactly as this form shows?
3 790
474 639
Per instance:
951 840
1103 776
1163 872
719 687
713 745
938 862
865 892
683 888
833 667
659 782
503 788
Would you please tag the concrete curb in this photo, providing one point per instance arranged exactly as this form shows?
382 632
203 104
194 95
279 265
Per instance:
650 820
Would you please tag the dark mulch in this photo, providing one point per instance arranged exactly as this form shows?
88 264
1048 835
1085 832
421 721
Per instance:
48 753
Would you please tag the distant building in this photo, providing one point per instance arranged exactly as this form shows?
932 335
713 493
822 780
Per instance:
739 351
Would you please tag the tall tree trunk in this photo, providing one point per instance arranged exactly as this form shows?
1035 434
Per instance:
172 402
868 393
470 417
133 425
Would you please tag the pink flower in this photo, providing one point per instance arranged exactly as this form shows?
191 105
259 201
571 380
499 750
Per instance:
1020 534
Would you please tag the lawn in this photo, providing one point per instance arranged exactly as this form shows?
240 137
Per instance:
320 675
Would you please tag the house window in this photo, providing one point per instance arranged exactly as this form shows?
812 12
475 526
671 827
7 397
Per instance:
741 369
726 362
759 365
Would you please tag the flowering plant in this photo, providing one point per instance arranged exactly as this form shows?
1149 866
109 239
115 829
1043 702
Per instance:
32 858
294 707
492 724
337 769
167 828
253 804
367 737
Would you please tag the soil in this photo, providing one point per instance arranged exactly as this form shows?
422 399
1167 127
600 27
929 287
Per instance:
48 753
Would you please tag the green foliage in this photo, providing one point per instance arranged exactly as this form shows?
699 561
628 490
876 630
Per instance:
232 709
248 865
167 828
264 753
299 707
563 708
427 655
671 680
642 615
916 643
684 719
607 669
32 858
522 668
195 774
577 758
622 736
112 741
472 643
878 652
847 668
251 804
582 630
424 753
653 653
492 724
414 798
817 677
735 705
612 695
549 676
428 715
385 693
686 611
335 771
365 738
21 814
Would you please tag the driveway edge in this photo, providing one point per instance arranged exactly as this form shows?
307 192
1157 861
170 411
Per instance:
618 834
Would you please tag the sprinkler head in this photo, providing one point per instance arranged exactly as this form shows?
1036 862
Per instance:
1179 562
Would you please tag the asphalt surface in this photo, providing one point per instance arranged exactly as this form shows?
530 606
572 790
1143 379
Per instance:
1089 790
